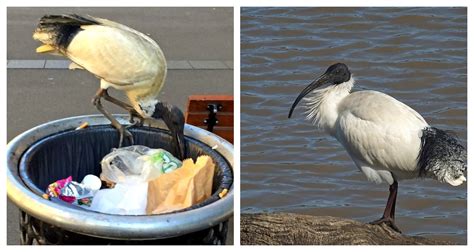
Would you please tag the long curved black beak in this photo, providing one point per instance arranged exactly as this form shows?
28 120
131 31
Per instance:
323 79
174 120
180 144
175 123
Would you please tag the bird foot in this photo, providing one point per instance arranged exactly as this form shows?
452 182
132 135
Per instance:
137 123
388 221
136 120
124 133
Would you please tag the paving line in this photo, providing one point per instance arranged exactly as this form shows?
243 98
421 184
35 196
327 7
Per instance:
172 64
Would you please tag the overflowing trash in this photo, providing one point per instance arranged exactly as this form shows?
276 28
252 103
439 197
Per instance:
140 181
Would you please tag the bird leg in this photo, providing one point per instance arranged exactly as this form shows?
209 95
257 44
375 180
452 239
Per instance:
174 120
131 110
389 213
122 130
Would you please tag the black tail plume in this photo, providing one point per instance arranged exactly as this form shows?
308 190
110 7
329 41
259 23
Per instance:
442 157
61 29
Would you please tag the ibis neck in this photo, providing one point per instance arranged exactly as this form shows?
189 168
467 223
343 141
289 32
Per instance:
322 105
146 106
144 96
144 99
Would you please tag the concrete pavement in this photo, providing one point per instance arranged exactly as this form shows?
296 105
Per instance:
39 95
182 33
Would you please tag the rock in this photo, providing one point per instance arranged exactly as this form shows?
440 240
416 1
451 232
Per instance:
290 229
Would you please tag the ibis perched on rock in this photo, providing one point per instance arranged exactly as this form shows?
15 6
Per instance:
387 140
122 58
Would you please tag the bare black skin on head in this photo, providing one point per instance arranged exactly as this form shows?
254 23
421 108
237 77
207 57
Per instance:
174 120
336 74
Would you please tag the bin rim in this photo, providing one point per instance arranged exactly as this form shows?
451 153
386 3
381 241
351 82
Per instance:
107 225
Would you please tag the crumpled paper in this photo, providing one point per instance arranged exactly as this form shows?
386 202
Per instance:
184 187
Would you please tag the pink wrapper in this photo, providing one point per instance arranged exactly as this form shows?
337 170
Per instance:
71 192
54 190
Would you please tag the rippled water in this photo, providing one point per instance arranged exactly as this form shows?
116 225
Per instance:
417 55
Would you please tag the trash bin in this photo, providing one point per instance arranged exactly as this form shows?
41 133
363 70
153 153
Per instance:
56 150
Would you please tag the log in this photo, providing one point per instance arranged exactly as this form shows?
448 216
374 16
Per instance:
297 229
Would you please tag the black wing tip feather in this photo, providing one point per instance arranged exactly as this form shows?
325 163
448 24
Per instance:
67 19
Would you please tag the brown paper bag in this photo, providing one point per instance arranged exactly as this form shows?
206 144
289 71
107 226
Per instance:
186 186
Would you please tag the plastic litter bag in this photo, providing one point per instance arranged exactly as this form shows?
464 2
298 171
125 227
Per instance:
137 163
123 199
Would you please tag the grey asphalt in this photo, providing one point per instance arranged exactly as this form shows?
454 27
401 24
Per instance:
36 96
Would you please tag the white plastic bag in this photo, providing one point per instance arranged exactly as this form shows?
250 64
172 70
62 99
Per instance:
137 163
123 199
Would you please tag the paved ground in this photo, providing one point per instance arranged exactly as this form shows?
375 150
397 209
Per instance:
182 33
36 96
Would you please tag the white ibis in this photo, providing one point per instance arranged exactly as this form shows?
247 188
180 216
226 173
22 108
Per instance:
387 140
122 58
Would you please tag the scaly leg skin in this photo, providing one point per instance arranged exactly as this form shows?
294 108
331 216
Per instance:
389 213
135 118
121 129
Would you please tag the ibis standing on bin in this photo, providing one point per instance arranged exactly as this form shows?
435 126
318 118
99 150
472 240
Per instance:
122 58
387 140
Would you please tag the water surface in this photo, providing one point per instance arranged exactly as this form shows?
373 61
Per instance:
417 55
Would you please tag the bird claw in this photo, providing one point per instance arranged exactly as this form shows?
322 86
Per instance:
124 132
390 222
135 119
135 123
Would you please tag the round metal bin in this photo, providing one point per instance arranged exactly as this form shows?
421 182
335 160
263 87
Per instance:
56 150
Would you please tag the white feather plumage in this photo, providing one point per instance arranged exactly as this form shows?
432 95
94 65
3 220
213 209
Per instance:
381 134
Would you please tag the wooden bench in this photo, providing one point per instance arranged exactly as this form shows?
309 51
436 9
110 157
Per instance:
214 113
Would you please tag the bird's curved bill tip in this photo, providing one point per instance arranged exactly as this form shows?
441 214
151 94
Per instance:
290 113
45 49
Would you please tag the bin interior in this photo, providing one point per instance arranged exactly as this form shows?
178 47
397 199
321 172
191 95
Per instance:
77 153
